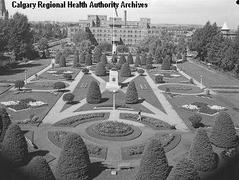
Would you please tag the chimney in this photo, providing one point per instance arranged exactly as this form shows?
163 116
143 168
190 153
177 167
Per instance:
125 18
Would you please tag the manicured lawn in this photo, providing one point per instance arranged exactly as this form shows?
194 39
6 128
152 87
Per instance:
180 88
4 87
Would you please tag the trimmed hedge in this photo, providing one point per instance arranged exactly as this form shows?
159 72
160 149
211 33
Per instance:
201 152
74 160
195 120
154 163
88 59
166 63
4 122
131 96
223 132
100 69
125 70
130 59
158 79
137 62
103 59
93 95
14 146
62 62
68 97
59 85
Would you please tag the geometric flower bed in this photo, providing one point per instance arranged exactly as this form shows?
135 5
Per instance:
168 141
204 108
152 122
23 104
58 138
76 120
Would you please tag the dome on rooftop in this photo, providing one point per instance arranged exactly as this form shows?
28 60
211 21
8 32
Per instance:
225 27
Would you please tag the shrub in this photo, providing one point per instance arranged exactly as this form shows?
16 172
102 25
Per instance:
59 85
143 59
223 132
109 66
166 63
201 152
57 58
100 69
14 146
149 66
137 61
131 94
191 81
67 77
122 60
125 70
167 90
76 60
69 97
19 84
93 94
4 122
82 59
154 163
103 59
179 56
62 62
37 169
184 170
130 59
149 60
158 79
140 71
195 120
88 61
85 71
74 159
97 54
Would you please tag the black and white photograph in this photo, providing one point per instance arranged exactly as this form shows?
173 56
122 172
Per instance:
119 90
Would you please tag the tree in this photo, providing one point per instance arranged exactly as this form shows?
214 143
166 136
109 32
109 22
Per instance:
62 61
85 46
58 56
97 54
4 122
76 61
223 132
88 59
74 162
154 163
68 97
131 96
4 34
14 146
143 59
43 44
125 70
59 85
195 120
105 47
130 59
201 152
184 170
122 60
37 169
166 63
82 58
114 59
103 59
19 84
137 61
100 69
94 93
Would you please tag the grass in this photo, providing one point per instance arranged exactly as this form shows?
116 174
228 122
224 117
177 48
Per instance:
181 88
42 85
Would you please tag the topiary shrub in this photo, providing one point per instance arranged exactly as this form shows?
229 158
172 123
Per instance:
62 62
19 84
88 61
154 163
166 63
59 86
130 59
103 59
37 169
137 61
67 77
4 122
14 146
223 132
158 79
149 60
100 69
114 59
167 90
97 54
131 96
201 152
125 70
174 68
76 60
85 71
141 72
196 120
82 59
191 81
74 162
122 60
68 97
93 94
57 57
143 59
184 170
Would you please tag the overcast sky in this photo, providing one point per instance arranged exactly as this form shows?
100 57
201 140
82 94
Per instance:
160 11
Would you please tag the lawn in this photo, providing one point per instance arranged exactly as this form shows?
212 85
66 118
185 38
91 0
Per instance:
181 88
18 72
42 85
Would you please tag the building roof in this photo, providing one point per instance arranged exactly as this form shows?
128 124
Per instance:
225 27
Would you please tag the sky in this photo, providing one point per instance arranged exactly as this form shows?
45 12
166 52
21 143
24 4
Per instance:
160 11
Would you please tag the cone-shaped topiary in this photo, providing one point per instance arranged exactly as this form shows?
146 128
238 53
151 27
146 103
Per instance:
73 163
143 59
149 60
130 59
97 54
37 169
201 152
154 163
82 58
131 96
57 58
223 132
125 70
166 63
122 60
103 59
4 122
100 69
88 59
184 170
62 62
94 94
76 61
137 61
14 146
